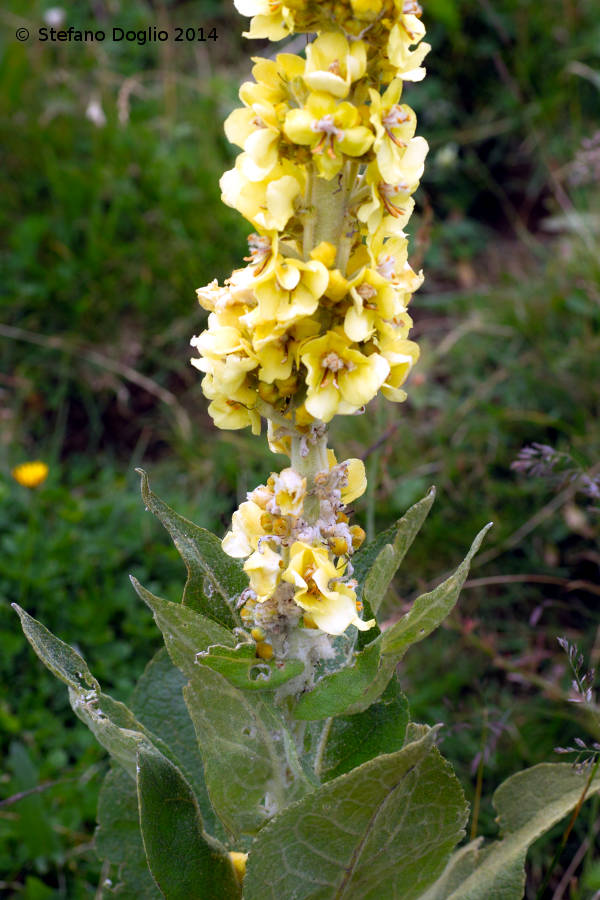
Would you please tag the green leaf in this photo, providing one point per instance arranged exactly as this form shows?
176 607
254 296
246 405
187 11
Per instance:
460 866
334 693
250 761
380 560
159 705
112 723
118 838
353 689
528 804
241 667
183 860
185 631
214 580
384 830
60 658
429 610
353 740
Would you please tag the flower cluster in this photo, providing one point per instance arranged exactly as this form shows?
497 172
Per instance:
297 568
316 323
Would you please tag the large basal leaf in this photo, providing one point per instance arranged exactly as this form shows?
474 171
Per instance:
353 740
158 704
185 631
250 762
353 689
385 830
241 667
376 565
528 804
183 860
214 580
119 841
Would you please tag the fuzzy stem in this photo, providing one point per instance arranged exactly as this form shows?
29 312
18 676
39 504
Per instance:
309 456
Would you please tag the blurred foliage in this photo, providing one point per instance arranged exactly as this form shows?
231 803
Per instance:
109 228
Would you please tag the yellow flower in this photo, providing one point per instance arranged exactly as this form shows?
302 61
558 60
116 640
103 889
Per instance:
30 474
331 604
257 131
390 257
231 414
330 129
291 293
394 126
340 379
264 571
401 356
373 299
271 19
366 9
269 203
355 477
391 205
290 489
272 77
238 861
246 531
406 62
332 64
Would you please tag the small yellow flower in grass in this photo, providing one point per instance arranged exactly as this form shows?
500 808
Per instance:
331 604
30 474
238 861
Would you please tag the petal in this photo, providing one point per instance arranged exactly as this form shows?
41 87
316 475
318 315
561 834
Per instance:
323 403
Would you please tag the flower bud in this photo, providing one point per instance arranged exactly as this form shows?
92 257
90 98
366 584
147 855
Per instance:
264 650
358 536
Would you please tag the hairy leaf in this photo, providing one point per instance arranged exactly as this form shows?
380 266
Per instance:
241 667
528 804
353 740
112 722
353 689
334 693
159 705
214 580
185 631
380 560
385 830
118 839
250 761
183 860
430 609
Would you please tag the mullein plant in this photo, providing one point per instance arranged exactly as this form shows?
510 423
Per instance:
268 751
